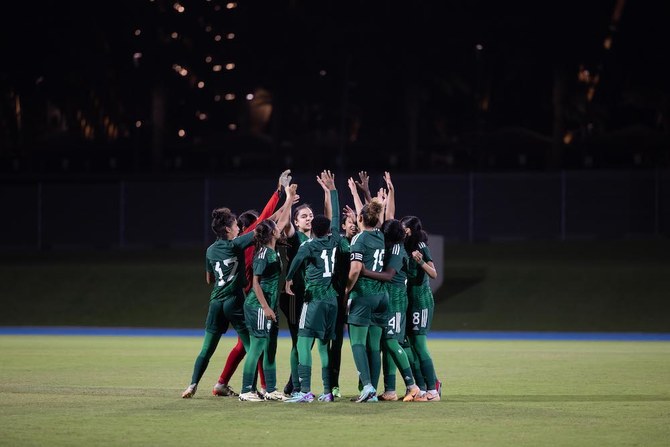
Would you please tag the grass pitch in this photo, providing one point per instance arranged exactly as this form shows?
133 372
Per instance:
71 391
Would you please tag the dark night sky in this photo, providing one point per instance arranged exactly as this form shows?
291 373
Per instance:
379 50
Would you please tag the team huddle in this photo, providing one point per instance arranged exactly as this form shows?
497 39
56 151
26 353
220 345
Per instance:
357 267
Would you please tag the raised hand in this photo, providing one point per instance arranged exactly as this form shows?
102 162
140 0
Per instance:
389 183
327 180
352 185
381 195
347 212
284 179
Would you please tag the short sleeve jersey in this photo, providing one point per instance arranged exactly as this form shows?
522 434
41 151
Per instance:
319 257
225 260
368 247
295 242
416 275
267 265
397 259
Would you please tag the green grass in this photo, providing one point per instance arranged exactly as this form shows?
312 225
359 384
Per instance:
71 391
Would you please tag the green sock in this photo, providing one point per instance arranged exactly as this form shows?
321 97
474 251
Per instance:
361 361
428 371
389 369
295 376
305 372
256 348
270 378
325 365
400 359
208 347
415 364
375 335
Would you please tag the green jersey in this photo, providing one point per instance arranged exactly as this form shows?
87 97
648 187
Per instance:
267 265
397 259
225 260
416 276
295 242
342 265
319 256
368 247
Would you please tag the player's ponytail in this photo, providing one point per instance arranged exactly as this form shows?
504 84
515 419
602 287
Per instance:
416 235
222 218
263 233
371 213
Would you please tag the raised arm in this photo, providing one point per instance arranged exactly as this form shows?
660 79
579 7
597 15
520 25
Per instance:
268 211
327 204
364 185
354 192
327 182
390 197
284 217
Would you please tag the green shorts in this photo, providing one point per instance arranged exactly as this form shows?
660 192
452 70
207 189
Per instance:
225 312
257 324
419 320
318 319
395 326
368 310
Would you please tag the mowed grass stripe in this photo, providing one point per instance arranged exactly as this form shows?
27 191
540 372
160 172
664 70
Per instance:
125 391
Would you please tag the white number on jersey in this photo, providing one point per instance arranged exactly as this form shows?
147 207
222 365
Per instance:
328 268
379 261
227 263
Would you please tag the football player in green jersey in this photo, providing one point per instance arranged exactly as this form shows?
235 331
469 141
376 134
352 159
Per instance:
368 300
291 305
225 272
223 261
396 261
317 258
260 305
349 229
421 303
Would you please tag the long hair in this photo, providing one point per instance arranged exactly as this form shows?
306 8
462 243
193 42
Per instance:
222 218
394 232
263 233
418 235
371 212
247 218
